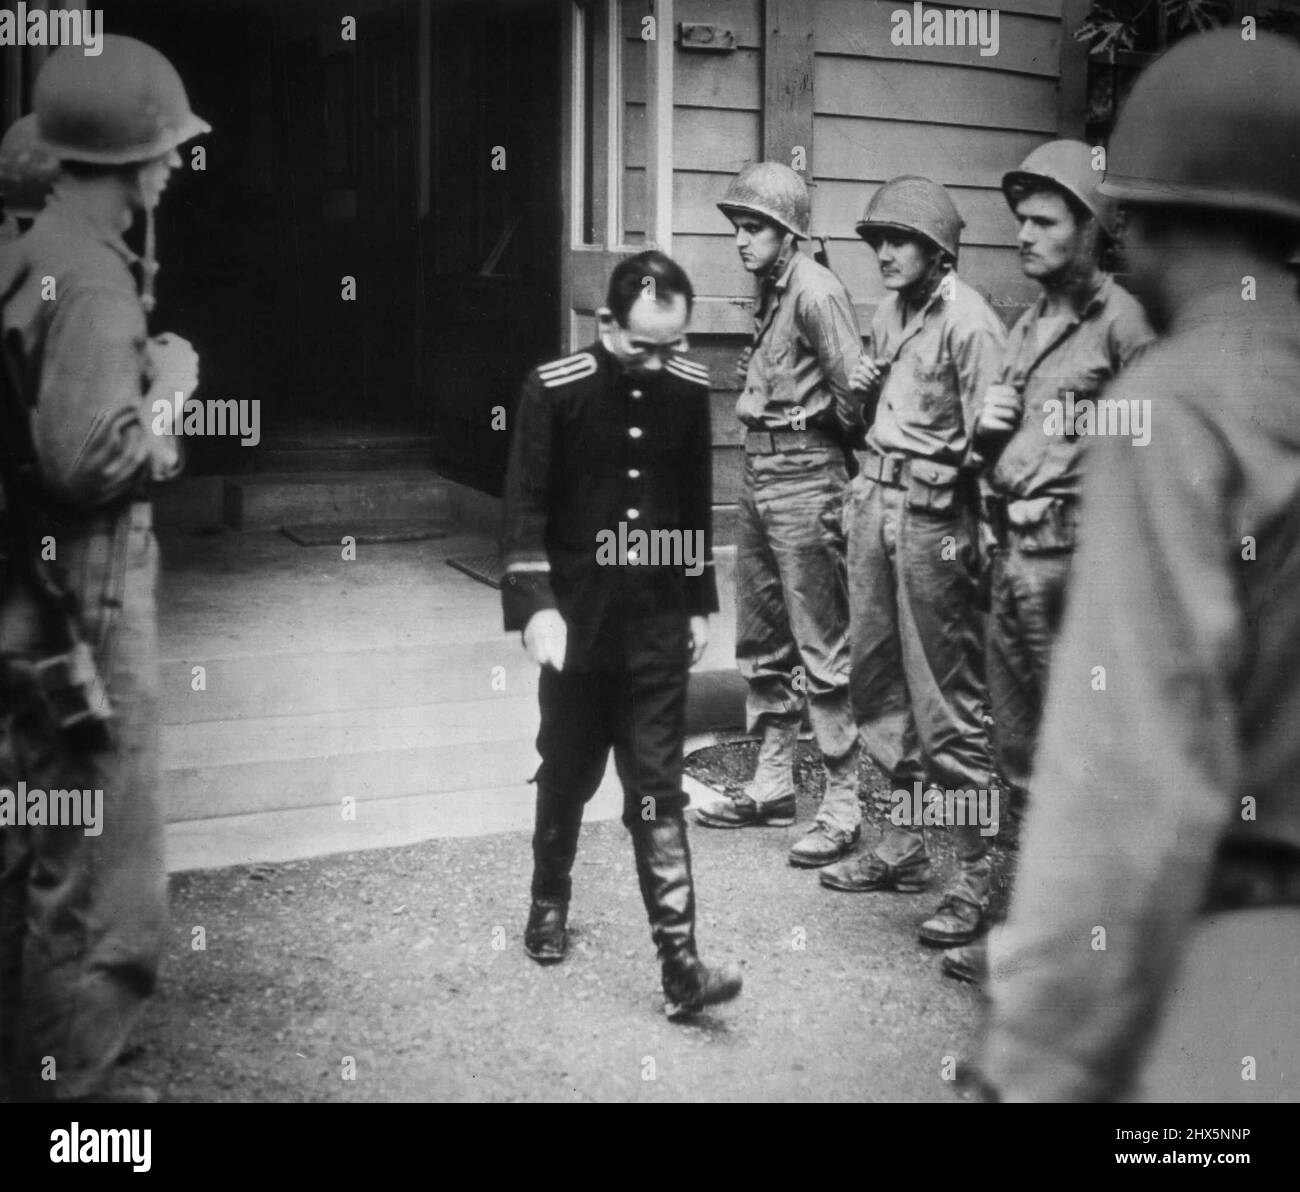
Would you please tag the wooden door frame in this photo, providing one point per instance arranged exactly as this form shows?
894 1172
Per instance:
585 267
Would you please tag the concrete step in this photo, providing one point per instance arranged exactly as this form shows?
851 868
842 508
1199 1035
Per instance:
272 836
277 784
266 501
250 687
216 743
268 837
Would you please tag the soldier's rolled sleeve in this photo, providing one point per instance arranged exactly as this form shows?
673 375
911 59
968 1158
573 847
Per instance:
697 504
831 327
88 428
526 585
1137 772
978 354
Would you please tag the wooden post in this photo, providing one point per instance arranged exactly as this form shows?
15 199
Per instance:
659 128
788 82
1072 92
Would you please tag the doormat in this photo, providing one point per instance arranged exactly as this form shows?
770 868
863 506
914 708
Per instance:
486 569
364 530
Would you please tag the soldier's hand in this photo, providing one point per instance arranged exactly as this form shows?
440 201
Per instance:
546 638
165 458
173 364
866 376
742 365
699 638
1000 414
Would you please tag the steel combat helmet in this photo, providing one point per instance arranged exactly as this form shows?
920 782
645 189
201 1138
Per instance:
1067 166
27 169
125 105
914 205
773 191
1214 123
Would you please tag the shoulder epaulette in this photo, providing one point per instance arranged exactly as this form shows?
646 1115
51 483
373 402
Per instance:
688 370
571 368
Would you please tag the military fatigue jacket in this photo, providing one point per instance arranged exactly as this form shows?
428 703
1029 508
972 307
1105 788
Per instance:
941 363
599 456
1169 735
1082 356
807 342
74 335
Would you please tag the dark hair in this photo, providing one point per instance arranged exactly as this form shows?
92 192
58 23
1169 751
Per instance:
628 282
1018 192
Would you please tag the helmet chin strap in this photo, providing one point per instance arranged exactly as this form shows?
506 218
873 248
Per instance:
148 265
149 261
926 285
789 246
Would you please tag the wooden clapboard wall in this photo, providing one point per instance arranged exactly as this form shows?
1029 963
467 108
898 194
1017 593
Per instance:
824 74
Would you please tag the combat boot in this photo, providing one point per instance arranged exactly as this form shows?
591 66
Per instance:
839 820
769 798
959 917
899 863
663 868
555 843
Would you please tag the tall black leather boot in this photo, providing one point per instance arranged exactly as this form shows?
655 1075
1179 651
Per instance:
663 867
555 843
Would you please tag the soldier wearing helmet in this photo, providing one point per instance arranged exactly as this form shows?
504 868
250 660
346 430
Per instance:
83 914
791 585
917 689
1150 950
27 172
1073 341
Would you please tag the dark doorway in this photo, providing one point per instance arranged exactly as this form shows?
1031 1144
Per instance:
321 167
493 269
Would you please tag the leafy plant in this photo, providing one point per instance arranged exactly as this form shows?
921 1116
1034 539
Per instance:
1109 27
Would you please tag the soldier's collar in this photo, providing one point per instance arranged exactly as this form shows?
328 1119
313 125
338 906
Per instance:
1094 302
778 276
64 209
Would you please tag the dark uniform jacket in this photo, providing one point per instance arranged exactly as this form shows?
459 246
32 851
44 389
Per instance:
597 455
1187 761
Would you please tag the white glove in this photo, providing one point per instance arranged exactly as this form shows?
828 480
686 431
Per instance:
546 638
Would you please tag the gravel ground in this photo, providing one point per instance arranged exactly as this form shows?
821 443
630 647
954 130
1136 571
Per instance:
410 962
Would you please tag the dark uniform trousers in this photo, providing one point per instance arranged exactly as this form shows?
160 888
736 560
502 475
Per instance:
637 706
84 916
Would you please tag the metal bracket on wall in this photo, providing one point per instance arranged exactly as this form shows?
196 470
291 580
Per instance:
694 36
